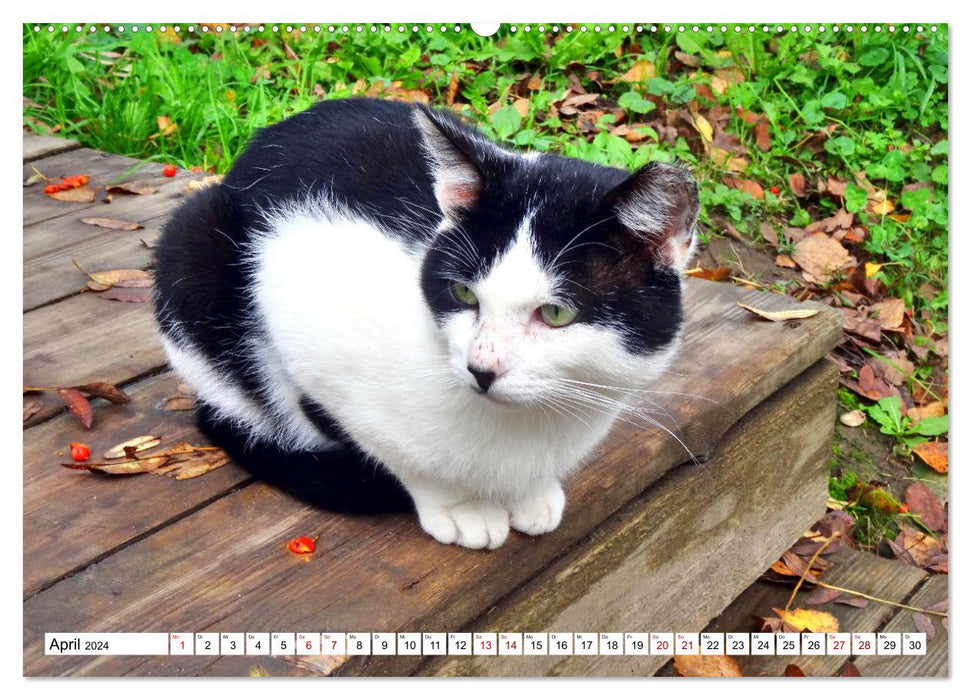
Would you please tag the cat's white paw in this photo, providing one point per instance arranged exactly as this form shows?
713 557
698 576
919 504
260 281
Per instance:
539 512
472 524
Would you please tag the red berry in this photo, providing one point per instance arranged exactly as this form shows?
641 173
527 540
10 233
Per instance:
301 545
169 170
904 508
79 451
774 189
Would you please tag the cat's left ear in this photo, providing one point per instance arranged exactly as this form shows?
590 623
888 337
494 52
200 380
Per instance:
659 204
449 150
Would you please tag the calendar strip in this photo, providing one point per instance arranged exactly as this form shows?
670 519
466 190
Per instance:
486 644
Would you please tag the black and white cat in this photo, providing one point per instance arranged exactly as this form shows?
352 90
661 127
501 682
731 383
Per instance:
379 309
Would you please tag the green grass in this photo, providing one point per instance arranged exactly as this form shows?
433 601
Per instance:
884 97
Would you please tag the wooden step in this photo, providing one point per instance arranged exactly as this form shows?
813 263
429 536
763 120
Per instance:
145 553
858 571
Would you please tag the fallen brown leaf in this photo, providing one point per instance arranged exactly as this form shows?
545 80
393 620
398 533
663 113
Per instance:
132 187
762 141
32 406
688 59
841 219
926 506
793 671
854 601
797 183
79 194
142 442
750 186
890 313
820 255
853 419
786 315
920 549
714 666
104 390
713 274
116 224
198 464
78 405
133 466
769 234
133 296
934 409
783 260
642 71
202 183
934 455
849 670
821 596
522 106
857 323
923 624
180 403
893 367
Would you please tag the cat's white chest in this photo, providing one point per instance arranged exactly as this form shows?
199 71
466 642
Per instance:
359 339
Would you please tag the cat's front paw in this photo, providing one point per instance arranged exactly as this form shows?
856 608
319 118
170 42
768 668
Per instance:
539 512
472 524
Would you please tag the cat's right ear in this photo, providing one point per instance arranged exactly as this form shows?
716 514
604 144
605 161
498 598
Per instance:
458 181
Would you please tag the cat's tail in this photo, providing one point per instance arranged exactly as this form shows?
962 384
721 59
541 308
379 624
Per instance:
342 480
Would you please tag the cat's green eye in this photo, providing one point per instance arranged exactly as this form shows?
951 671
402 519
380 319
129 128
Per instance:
557 316
464 294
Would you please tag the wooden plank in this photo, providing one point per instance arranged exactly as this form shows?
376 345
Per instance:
935 663
72 518
103 168
677 555
84 339
37 146
52 276
369 573
65 343
858 571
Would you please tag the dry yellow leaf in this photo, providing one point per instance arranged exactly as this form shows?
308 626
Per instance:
640 72
809 620
715 666
872 269
522 106
703 127
784 315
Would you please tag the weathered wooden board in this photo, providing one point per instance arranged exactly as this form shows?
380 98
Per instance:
376 573
858 571
104 169
72 518
52 276
679 554
935 663
85 339
38 146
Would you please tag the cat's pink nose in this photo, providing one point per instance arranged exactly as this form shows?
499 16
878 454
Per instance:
483 377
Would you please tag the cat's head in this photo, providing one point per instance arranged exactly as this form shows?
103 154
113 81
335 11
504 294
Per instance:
552 277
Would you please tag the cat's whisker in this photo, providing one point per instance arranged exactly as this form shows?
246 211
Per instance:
566 248
647 391
626 415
